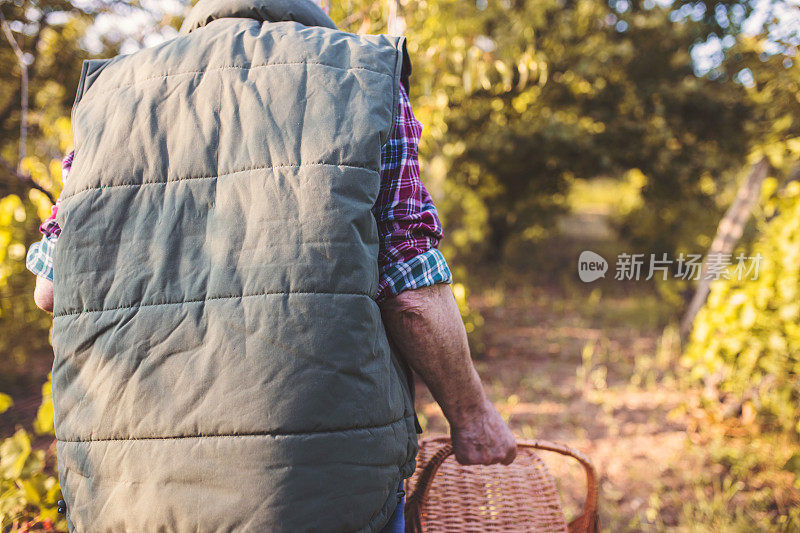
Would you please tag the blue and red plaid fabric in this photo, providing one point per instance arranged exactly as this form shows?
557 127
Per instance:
408 224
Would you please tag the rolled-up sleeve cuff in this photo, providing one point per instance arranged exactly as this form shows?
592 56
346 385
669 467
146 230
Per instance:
423 270
40 257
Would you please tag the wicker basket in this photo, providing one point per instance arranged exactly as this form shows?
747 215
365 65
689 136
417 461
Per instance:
444 496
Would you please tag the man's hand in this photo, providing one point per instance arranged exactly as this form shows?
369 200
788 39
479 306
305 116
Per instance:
483 439
426 329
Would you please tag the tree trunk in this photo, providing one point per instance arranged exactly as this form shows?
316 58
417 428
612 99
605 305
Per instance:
23 67
729 231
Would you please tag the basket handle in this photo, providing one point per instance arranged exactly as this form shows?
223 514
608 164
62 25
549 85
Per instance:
587 521
419 493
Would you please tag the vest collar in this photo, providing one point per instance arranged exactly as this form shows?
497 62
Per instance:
305 12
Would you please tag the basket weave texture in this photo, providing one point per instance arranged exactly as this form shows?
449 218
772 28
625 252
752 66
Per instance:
445 496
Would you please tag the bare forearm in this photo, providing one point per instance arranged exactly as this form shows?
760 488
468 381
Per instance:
426 327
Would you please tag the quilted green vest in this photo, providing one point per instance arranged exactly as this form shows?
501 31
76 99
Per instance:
220 361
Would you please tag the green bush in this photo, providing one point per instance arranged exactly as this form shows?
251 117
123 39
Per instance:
745 346
29 489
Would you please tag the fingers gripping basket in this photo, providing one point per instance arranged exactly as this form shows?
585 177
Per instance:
444 496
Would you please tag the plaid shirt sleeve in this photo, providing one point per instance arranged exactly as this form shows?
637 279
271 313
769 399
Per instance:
408 224
40 254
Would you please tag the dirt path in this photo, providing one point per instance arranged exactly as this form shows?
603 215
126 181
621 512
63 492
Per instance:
560 375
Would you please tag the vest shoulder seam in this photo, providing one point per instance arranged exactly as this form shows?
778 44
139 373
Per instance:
241 435
224 174
206 299
246 67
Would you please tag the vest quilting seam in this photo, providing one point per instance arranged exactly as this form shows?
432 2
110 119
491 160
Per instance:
245 67
223 175
208 299
255 434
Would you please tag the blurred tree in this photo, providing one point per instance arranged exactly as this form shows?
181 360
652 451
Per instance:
49 34
768 69
521 97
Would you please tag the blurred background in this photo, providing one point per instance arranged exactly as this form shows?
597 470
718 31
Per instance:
551 127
